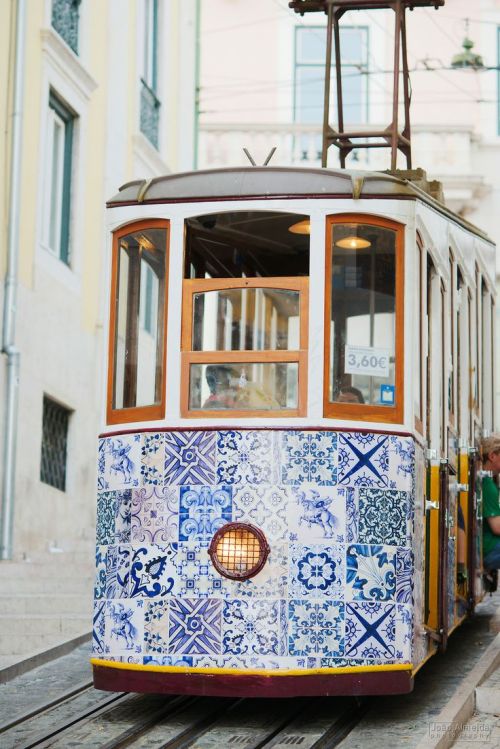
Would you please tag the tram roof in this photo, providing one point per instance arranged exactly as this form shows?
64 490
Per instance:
270 182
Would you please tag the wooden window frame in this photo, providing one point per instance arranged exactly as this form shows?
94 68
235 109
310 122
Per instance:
135 413
421 312
352 411
188 356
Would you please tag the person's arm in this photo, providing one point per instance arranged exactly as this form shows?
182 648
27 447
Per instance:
494 523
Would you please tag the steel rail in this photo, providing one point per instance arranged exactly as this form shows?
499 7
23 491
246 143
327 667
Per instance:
342 726
186 737
43 707
175 706
86 715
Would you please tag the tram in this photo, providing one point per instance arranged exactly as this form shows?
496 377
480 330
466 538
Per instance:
299 373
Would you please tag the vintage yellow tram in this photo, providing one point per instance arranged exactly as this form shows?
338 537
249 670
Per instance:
300 370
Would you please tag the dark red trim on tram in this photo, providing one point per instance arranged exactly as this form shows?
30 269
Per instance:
223 685
235 427
236 198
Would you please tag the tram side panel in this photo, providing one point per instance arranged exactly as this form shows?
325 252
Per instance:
342 588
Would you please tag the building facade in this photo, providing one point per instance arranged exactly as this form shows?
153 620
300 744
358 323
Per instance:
263 87
96 94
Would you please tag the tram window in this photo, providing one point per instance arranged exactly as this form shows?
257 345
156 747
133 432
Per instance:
137 350
244 335
364 298
245 345
238 244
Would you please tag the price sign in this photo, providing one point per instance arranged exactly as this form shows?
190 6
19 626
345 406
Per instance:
367 360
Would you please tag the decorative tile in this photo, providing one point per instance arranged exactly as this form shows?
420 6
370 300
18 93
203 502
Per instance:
122 517
383 516
100 572
167 660
102 483
197 575
370 573
316 628
270 582
317 571
190 458
351 520
263 506
152 458
309 457
203 510
106 514
401 462
156 626
124 627
99 628
195 626
370 631
404 633
153 571
363 460
253 627
119 458
317 514
246 457
404 576
155 514
117 571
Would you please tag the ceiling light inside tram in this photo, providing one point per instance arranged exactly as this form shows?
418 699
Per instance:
301 227
353 243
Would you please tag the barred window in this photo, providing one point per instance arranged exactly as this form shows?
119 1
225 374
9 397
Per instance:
65 20
54 444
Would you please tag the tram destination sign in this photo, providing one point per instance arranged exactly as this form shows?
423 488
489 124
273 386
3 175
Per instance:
367 360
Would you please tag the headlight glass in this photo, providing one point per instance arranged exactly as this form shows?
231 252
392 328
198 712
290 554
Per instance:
239 551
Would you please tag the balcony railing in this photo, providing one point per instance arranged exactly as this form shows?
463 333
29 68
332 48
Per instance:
150 114
444 149
65 18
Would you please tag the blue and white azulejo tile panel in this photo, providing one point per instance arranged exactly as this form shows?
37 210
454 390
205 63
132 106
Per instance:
337 510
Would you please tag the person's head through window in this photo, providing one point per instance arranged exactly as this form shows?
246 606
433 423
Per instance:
222 394
490 451
348 394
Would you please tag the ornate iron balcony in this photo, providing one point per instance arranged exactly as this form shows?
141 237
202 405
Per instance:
65 18
150 113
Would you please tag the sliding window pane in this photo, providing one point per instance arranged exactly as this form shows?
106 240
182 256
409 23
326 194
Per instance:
246 320
244 386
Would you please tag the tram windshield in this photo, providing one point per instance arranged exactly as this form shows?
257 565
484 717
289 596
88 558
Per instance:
245 311
363 315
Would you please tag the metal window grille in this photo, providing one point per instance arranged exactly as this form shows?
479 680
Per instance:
150 114
54 444
65 17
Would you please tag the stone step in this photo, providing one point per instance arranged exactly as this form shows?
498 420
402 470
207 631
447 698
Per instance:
42 624
71 603
62 567
20 646
83 585
488 695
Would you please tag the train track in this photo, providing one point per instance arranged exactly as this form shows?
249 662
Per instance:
83 717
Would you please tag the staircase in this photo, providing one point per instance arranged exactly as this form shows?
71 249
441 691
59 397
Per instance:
44 602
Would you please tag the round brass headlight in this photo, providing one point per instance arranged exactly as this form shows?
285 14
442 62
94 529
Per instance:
239 551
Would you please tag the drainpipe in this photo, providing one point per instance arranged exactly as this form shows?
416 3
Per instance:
10 297
196 84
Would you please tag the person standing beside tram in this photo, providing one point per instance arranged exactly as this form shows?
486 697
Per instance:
490 448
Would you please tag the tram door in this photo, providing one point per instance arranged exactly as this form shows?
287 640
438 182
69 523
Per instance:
437 489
